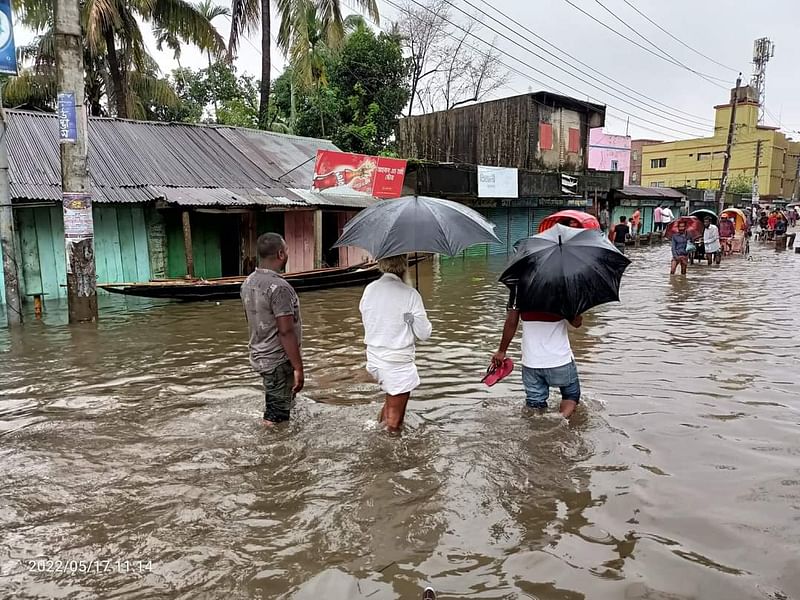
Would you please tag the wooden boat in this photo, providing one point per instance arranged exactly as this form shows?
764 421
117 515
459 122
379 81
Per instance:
225 288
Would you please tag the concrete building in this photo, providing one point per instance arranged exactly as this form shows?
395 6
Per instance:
757 150
636 159
608 152
233 183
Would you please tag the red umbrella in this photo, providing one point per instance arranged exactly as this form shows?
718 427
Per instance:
694 227
585 220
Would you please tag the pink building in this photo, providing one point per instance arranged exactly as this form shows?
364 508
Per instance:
610 152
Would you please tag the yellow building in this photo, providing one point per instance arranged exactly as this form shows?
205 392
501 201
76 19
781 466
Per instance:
698 162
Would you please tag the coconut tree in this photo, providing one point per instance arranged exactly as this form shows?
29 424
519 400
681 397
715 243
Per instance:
36 84
247 15
112 31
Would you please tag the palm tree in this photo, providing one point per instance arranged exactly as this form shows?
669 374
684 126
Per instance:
112 31
294 31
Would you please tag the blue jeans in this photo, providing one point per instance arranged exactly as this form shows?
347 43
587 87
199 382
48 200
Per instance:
538 382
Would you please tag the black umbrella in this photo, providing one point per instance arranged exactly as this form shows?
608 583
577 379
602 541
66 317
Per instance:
565 271
416 224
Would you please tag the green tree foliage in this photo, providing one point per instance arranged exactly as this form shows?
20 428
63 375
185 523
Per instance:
236 98
741 184
367 88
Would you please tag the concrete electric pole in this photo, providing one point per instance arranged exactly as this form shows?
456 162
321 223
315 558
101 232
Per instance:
76 196
7 236
756 194
723 185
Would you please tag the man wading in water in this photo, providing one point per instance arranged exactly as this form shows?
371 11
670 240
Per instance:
547 359
393 317
272 310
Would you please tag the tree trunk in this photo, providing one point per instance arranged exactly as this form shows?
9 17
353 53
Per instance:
213 87
117 77
319 108
266 65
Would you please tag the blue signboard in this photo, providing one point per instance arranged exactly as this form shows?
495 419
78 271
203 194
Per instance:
8 52
67 118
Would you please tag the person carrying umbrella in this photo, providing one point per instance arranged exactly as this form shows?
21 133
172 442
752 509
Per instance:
680 251
392 312
394 317
553 278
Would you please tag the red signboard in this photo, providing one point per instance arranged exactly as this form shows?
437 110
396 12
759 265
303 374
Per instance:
375 175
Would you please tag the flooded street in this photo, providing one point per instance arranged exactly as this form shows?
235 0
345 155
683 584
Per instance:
139 440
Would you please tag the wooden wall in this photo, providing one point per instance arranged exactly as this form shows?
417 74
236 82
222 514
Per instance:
299 235
205 245
350 255
121 248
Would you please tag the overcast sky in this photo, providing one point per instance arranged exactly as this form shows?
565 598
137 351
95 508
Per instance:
723 30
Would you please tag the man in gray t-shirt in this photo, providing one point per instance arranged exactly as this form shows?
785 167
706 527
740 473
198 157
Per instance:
273 317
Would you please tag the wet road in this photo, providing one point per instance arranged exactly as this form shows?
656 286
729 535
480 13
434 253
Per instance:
138 440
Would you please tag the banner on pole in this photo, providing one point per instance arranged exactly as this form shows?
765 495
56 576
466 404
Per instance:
67 118
8 50
375 175
498 182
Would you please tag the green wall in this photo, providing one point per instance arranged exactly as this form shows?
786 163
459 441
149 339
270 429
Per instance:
121 251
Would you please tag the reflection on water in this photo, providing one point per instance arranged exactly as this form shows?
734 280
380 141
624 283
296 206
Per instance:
138 440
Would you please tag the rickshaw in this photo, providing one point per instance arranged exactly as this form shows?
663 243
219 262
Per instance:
582 220
739 243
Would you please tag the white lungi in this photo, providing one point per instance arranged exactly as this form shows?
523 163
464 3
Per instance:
394 377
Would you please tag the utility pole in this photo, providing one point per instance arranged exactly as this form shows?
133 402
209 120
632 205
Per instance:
756 194
76 196
7 237
723 185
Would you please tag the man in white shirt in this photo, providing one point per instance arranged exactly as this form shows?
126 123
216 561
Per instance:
547 359
394 317
666 216
713 248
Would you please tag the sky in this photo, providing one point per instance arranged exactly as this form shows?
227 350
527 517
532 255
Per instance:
661 99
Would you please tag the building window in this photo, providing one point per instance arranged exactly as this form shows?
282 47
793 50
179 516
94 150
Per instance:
634 176
704 156
658 163
574 145
656 184
635 155
545 136
614 166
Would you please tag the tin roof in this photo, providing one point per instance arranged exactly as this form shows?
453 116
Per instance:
189 165
637 191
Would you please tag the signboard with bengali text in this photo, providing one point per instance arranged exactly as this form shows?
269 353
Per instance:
374 175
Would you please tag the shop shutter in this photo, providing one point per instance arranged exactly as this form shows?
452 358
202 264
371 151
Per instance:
499 216
519 225
537 216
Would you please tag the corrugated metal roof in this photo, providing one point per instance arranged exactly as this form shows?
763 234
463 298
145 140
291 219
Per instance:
139 161
193 196
637 191
339 200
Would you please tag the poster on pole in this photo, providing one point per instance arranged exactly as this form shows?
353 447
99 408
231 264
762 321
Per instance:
67 118
8 50
374 175
78 230
498 182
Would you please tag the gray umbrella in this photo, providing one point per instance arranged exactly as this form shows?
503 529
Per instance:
416 224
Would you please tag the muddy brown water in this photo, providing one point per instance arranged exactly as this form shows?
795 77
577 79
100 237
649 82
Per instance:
138 440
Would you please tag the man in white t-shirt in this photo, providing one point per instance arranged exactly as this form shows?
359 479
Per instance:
666 216
547 359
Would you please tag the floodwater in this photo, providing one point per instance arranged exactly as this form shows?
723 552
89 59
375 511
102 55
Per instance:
135 447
